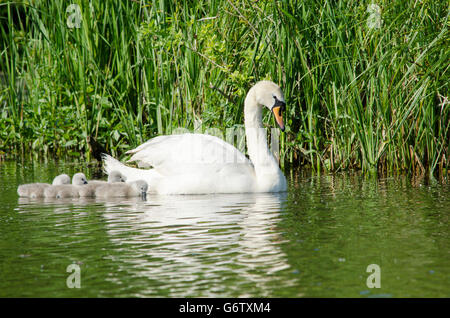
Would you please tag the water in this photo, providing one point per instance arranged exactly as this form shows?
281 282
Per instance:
317 240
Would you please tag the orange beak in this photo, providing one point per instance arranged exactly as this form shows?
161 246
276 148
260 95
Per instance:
276 110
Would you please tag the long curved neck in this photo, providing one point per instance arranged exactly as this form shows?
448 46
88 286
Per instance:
258 151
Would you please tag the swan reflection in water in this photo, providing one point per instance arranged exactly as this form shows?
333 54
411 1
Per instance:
197 245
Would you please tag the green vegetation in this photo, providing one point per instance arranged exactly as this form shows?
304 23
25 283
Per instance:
366 89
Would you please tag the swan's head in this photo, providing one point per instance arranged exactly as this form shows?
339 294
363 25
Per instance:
270 95
116 176
61 179
79 179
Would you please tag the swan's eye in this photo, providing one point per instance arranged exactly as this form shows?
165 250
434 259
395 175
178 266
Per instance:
279 103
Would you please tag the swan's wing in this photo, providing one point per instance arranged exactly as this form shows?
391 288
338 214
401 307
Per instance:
185 153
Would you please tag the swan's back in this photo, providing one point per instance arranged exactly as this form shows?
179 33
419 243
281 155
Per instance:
186 153
180 161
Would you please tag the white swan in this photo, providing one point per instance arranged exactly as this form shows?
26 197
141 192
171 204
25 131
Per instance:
199 163
36 190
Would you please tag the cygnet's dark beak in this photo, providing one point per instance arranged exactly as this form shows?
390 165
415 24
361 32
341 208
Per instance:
85 182
144 196
277 110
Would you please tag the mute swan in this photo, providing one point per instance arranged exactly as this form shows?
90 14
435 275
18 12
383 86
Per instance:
36 190
88 190
66 190
120 189
200 163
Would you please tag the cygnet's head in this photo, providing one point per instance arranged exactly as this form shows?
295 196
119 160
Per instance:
61 179
141 186
79 179
116 176
270 95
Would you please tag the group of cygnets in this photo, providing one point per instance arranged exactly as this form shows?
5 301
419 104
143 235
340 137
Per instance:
61 187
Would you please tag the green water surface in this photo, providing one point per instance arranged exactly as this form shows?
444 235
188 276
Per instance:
316 240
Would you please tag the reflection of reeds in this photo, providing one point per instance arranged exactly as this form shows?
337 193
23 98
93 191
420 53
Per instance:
368 98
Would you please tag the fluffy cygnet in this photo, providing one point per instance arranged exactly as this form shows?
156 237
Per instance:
132 189
36 190
89 189
66 190
114 176
61 179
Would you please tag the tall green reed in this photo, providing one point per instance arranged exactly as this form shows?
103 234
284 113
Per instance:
370 97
